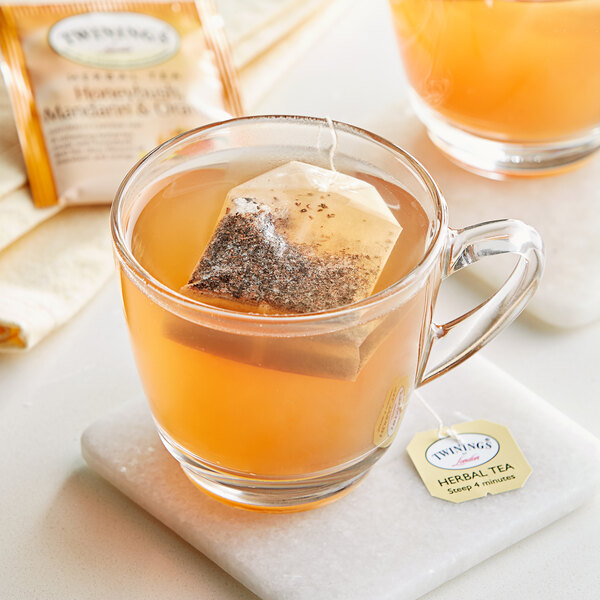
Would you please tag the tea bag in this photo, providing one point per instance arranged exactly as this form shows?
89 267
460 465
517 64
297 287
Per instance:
296 239
333 355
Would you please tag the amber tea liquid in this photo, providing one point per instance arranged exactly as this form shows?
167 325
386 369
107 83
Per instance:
269 407
517 70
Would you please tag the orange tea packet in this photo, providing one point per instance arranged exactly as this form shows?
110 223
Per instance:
96 85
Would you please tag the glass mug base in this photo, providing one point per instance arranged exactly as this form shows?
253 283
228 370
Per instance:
496 159
271 495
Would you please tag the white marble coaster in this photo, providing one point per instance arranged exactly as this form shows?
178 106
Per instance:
388 538
565 209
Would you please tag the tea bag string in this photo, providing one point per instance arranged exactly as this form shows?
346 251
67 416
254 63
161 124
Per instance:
442 430
334 142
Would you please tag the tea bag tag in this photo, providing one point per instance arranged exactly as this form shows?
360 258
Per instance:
391 412
469 460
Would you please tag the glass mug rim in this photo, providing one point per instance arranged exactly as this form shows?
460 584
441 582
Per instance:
140 274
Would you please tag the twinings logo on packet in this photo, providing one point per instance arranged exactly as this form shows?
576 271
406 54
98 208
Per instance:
96 84
483 458
108 40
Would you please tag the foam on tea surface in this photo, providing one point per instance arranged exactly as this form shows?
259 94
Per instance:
296 239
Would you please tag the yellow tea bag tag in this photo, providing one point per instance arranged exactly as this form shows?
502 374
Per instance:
391 413
479 458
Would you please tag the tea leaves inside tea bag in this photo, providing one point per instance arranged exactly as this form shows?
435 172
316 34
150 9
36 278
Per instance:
296 239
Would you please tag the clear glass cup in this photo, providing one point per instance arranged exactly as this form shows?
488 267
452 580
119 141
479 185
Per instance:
287 412
504 87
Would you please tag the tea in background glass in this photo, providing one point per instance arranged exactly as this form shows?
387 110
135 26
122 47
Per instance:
504 86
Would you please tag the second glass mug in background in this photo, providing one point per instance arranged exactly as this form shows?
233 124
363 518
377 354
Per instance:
287 412
504 87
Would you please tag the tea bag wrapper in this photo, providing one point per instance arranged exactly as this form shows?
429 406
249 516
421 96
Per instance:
297 239
97 84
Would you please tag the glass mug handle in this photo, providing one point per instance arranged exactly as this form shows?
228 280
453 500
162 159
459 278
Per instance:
466 334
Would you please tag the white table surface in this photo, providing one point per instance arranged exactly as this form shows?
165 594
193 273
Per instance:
65 533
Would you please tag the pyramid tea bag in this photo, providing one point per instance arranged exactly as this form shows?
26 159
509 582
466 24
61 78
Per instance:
296 239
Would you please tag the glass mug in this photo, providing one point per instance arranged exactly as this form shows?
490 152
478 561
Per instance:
504 86
287 412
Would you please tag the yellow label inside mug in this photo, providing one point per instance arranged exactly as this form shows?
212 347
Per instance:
482 459
391 413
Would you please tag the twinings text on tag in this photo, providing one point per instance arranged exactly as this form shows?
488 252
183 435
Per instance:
483 458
